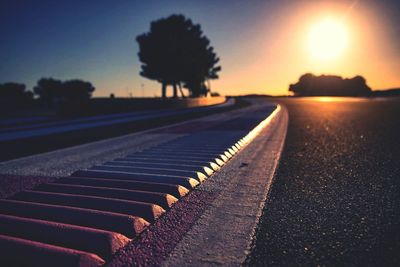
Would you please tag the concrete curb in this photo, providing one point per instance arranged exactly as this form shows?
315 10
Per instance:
48 255
224 233
99 242
148 211
128 225
210 150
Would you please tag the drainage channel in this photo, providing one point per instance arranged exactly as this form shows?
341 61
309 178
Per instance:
83 219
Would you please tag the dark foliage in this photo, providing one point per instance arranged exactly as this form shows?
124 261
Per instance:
75 90
175 52
14 96
53 92
48 90
14 92
330 85
388 92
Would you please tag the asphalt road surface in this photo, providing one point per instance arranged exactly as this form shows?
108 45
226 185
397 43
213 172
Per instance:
37 137
336 198
62 126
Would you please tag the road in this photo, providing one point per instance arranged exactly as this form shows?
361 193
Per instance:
62 126
41 136
336 198
94 197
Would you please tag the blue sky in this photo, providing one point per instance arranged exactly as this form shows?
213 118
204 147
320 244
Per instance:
95 40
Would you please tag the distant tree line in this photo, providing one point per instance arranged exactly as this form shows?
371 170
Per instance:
176 53
14 94
330 85
50 93
387 92
53 92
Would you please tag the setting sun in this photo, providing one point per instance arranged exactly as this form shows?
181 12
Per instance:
327 39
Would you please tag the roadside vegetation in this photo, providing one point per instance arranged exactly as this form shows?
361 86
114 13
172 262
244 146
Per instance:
330 85
176 53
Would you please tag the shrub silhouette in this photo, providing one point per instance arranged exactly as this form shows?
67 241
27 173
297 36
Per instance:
175 52
48 90
53 92
14 92
76 90
14 96
330 85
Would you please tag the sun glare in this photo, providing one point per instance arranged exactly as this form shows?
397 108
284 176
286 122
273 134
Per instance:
327 39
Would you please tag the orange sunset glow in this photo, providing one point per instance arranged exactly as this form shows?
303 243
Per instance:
200 133
341 38
263 46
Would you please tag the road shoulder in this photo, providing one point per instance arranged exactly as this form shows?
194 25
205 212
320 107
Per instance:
223 234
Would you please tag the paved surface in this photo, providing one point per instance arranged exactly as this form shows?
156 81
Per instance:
37 137
135 189
223 234
65 161
336 198
48 128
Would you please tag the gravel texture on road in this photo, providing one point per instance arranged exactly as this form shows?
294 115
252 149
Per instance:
336 198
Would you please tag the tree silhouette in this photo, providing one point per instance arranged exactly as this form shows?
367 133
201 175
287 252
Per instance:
74 90
13 96
53 92
330 85
48 90
14 93
175 52
200 68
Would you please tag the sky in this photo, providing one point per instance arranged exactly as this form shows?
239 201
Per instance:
263 45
